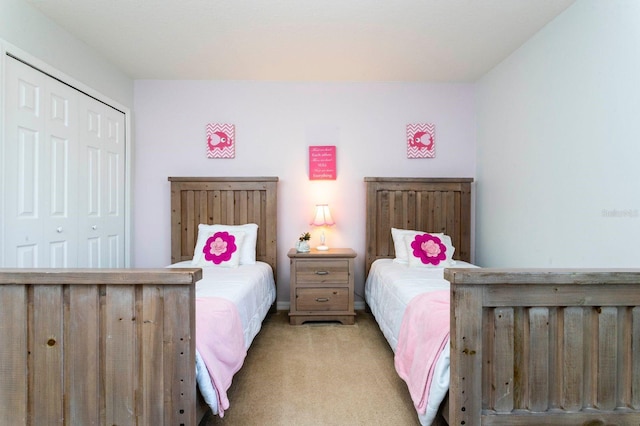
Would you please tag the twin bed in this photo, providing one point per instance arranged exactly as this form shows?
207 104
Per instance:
236 292
118 346
527 347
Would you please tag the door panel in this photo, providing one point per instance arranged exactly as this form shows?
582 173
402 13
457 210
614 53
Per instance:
64 170
23 146
102 186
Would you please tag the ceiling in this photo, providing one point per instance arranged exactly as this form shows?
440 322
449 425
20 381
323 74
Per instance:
304 40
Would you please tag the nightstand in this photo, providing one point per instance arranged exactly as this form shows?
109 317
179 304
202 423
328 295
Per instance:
322 285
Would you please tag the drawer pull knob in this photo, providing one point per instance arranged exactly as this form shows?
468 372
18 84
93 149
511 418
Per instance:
322 272
322 299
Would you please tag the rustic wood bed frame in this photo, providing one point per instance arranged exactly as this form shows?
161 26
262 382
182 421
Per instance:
528 347
225 200
97 346
229 201
116 346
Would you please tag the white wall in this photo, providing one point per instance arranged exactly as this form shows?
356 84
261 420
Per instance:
275 123
26 28
559 145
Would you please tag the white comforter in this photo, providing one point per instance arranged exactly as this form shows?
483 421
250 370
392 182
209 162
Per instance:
251 288
389 288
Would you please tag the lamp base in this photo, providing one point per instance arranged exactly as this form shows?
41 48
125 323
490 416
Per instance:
322 248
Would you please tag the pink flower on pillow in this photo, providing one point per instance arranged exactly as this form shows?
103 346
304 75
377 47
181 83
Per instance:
429 249
219 247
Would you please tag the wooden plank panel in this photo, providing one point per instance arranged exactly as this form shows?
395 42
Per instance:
635 350
502 365
46 343
539 359
176 226
203 205
179 353
228 215
465 402
395 207
572 359
151 330
120 369
436 223
241 210
215 210
450 214
454 220
624 365
464 244
384 246
555 358
607 357
13 362
521 372
82 355
191 232
589 353
412 211
420 210
489 358
550 294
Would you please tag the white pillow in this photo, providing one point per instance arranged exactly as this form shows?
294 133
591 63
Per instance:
247 250
429 250
400 247
221 248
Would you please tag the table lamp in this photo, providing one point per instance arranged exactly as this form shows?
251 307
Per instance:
322 217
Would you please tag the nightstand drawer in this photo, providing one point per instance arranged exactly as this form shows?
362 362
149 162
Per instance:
322 271
322 299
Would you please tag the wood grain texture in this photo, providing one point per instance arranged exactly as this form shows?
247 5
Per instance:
84 350
558 347
322 286
425 204
228 201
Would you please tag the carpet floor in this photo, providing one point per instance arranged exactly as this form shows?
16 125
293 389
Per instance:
318 374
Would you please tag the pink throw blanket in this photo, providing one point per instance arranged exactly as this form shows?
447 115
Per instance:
220 342
424 332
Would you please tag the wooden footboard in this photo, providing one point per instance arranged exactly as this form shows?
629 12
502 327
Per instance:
544 347
103 347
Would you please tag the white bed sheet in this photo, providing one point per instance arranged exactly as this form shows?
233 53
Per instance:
389 288
252 290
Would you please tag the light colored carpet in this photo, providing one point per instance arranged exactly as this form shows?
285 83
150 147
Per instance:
318 374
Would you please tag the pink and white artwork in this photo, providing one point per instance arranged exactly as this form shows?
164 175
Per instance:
221 140
421 140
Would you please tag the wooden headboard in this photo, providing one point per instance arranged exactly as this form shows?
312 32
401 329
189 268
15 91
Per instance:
227 201
424 204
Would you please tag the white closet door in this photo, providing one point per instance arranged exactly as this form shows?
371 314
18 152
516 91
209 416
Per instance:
40 164
101 185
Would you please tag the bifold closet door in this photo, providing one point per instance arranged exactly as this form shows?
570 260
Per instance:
40 184
64 170
101 186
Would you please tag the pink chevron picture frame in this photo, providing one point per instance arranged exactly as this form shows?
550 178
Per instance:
421 140
221 140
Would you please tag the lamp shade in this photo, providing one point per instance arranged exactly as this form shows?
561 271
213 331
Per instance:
322 216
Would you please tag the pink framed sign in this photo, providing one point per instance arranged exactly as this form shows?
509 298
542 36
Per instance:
322 162
221 140
421 140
